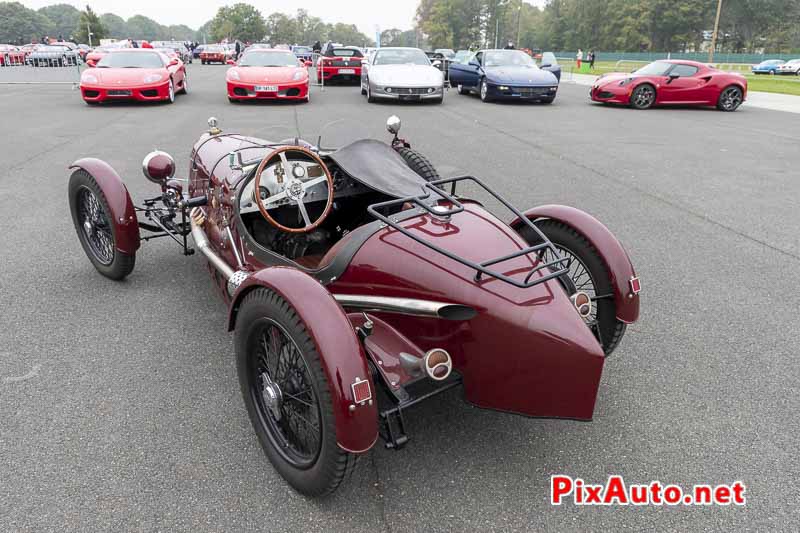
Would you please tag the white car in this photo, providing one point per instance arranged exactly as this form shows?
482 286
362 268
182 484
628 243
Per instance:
790 67
399 73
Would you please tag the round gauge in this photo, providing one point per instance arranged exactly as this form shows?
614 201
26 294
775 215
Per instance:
298 171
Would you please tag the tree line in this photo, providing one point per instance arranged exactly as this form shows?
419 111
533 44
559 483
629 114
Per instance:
20 25
748 26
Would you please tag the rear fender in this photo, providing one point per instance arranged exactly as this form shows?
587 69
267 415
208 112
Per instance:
341 353
126 225
613 254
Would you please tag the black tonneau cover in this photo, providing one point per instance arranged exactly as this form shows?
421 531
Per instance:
378 166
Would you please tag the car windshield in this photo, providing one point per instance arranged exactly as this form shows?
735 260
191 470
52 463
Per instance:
656 68
301 49
387 56
772 62
48 48
462 56
131 60
446 52
794 61
507 58
346 52
272 58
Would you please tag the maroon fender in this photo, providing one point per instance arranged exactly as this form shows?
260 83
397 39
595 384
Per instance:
343 358
614 255
126 225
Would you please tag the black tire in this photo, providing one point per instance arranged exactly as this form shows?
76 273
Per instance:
171 96
643 96
730 98
99 238
370 98
419 164
185 84
202 61
264 316
547 100
603 320
439 100
484 91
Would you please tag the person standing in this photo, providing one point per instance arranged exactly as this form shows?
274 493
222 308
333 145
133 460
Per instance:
238 48
579 58
509 46
317 47
590 59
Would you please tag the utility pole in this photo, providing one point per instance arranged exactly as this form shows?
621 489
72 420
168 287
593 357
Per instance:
714 35
519 22
89 34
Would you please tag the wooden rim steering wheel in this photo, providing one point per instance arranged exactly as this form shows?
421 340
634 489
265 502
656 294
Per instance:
294 188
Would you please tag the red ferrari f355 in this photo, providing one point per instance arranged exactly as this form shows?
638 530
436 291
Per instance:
360 283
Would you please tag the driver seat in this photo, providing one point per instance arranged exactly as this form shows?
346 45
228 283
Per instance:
343 250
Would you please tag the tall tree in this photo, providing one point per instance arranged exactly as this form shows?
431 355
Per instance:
89 21
21 25
239 21
115 25
64 18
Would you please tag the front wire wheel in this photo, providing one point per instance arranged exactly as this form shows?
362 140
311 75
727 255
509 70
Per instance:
587 273
287 394
93 223
643 96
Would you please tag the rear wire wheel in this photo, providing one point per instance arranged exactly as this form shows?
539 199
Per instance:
588 273
93 222
287 394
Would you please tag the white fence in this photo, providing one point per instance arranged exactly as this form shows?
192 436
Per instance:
40 67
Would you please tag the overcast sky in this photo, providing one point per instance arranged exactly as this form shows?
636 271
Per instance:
194 13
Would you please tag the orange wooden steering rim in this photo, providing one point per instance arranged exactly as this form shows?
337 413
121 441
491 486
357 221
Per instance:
288 176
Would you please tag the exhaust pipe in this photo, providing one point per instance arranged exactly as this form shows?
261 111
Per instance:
406 306
233 277
436 364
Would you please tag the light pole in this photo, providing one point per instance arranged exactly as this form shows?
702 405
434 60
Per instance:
714 35
89 33
519 22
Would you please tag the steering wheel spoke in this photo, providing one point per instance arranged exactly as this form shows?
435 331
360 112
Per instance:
302 207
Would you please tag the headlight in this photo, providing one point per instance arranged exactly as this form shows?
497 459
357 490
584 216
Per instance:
152 78
388 89
234 74
298 75
502 87
89 78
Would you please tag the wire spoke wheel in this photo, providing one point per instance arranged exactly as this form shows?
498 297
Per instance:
282 391
580 276
96 226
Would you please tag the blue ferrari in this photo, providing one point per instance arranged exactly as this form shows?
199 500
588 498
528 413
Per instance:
770 66
504 74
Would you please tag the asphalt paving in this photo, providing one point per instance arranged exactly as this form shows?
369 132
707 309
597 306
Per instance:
120 408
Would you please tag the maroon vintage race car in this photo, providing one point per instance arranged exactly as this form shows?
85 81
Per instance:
359 283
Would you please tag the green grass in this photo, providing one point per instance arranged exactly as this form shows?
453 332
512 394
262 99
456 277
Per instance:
761 83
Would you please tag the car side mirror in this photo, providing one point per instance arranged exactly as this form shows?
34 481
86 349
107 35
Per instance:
546 65
230 62
307 63
437 63
474 63
91 62
174 61
673 77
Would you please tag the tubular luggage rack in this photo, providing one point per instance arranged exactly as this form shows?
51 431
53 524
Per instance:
557 267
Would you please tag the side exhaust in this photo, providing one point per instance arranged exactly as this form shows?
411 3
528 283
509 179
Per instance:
406 306
582 303
233 277
436 364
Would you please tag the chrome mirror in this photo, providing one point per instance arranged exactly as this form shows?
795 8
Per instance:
393 124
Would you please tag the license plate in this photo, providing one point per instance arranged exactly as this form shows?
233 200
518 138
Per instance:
347 71
409 97
119 92
266 88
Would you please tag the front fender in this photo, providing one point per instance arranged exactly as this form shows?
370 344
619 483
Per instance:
126 225
341 353
613 254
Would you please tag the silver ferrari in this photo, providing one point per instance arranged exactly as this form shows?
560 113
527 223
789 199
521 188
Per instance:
401 74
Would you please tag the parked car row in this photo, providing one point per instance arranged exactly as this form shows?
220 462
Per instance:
778 66
57 54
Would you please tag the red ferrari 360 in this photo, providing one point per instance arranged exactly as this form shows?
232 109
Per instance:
134 74
263 73
11 55
359 283
340 64
672 82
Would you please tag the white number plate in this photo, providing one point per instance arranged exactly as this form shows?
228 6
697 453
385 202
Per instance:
347 71
266 88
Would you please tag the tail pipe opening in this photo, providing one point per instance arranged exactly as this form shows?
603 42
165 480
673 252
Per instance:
436 364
